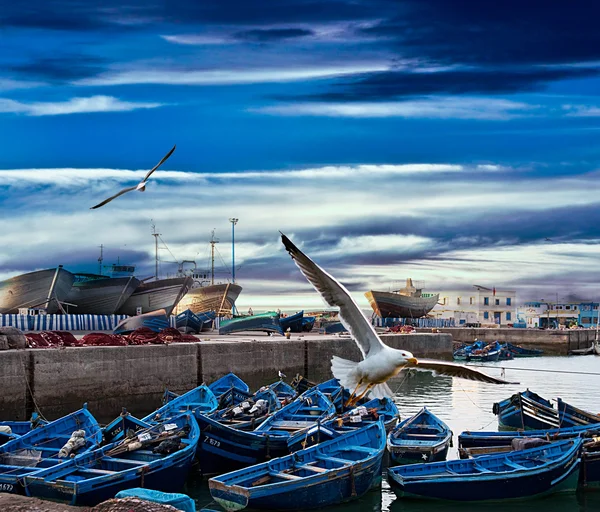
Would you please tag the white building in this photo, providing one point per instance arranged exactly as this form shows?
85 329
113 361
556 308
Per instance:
485 306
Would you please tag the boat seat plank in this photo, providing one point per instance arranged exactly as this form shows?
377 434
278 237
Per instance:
291 424
421 435
126 461
316 469
98 471
285 476
332 459
353 448
513 464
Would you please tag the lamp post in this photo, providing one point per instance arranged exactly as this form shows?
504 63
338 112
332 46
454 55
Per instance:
233 221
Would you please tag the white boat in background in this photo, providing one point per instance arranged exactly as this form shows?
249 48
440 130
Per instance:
43 289
153 295
100 295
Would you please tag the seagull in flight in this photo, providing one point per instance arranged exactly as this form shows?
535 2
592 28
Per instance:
548 239
380 362
141 186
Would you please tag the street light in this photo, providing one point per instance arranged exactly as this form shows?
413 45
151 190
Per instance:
233 221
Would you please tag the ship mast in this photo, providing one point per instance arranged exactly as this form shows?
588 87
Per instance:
155 235
213 241
100 259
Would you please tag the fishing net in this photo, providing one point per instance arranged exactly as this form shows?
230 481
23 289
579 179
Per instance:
143 336
99 339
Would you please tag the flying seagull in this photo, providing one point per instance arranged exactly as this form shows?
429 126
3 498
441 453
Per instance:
548 239
380 362
141 186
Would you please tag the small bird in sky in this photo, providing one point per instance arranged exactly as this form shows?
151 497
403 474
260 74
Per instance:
548 239
380 362
141 186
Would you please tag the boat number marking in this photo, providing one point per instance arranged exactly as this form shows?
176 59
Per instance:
6 487
211 441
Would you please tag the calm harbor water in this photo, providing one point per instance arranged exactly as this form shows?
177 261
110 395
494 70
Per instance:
466 405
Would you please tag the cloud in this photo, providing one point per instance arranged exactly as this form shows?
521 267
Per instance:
433 107
62 68
581 110
269 35
7 84
226 76
73 106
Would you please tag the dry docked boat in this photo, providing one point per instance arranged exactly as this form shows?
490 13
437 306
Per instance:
329 473
160 294
43 289
408 302
100 295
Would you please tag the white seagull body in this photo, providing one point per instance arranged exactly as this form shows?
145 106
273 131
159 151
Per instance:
380 362
141 186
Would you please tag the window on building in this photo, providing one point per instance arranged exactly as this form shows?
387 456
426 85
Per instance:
574 307
471 300
486 315
508 316
497 302
567 307
508 301
486 301
446 301
458 301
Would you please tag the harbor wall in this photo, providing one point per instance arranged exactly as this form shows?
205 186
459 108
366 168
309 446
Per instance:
551 341
59 381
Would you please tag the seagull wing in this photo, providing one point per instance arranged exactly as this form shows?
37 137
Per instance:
335 294
455 370
160 163
124 191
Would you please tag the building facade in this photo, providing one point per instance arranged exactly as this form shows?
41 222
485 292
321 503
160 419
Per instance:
484 306
553 315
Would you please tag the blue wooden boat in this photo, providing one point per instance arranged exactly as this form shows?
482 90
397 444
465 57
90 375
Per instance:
335 328
122 425
519 351
187 322
155 320
422 438
529 411
490 352
200 400
12 429
329 473
481 439
515 475
306 410
589 477
250 413
206 318
308 322
283 391
39 448
156 458
377 409
331 388
266 322
231 380
292 322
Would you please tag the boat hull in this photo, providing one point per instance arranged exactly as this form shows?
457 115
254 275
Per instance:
394 305
219 298
34 289
102 296
162 294
266 322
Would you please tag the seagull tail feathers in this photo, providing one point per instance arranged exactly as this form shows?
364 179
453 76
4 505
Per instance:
381 391
345 371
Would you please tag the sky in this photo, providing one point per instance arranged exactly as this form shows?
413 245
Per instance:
456 143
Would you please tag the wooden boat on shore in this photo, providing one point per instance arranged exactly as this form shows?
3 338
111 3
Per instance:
516 475
408 302
155 320
100 295
42 289
153 295
292 322
41 448
157 458
265 322
529 411
519 351
377 409
422 438
329 473
187 322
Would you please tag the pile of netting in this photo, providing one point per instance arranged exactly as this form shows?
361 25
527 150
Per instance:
141 336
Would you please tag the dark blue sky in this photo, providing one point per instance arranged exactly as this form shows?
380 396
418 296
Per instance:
441 140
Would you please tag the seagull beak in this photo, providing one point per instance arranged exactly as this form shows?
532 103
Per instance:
413 361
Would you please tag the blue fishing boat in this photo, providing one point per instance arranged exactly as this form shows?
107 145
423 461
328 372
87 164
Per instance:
589 477
331 388
422 438
206 318
283 390
519 351
41 448
155 320
529 411
229 381
308 322
515 475
200 400
377 409
329 473
306 410
292 322
250 413
335 328
490 352
124 424
187 322
12 429
156 458
479 439
266 322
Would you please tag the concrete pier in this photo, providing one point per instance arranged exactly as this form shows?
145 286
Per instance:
59 381
551 341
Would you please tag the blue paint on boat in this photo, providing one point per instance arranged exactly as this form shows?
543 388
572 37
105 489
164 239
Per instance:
266 322
231 380
200 400
38 449
329 473
249 413
93 477
516 475
19 428
177 500
292 322
518 351
421 438
121 425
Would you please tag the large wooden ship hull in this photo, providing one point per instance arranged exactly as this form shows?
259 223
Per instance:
394 305
43 289
161 294
104 296
219 298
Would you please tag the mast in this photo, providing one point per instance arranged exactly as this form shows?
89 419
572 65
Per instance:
213 241
155 235
233 221
100 259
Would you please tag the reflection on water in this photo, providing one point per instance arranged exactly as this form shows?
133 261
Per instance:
467 405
